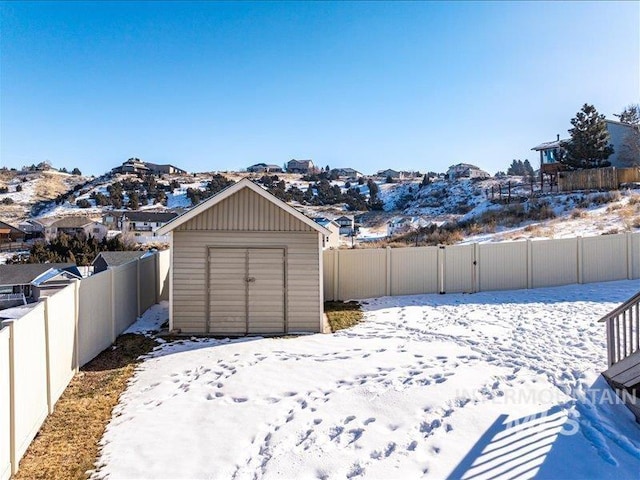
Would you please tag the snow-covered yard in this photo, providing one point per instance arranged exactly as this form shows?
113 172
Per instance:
489 385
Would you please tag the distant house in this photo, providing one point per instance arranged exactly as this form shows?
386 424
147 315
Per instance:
9 233
144 223
33 280
466 170
333 239
33 228
135 165
76 226
388 173
300 166
347 224
619 136
113 219
400 225
346 172
105 260
164 169
264 168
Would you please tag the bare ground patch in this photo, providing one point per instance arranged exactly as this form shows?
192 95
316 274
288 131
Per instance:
342 315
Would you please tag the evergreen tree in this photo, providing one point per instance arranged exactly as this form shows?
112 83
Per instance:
629 154
527 168
630 115
589 145
134 201
373 189
516 168
425 180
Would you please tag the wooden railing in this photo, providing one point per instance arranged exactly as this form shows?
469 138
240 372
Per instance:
623 330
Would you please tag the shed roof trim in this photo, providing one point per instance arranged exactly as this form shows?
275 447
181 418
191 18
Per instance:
229 191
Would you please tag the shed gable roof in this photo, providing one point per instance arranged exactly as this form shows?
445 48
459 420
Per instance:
231 191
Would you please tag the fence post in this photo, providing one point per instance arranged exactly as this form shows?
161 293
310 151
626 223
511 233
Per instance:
441 261
629 256
138 287
580 260
336 274
12 397
76 341
475 288
113 304
47 355
529 264
387 283
156 267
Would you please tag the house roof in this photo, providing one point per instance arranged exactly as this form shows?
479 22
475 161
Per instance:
549 145
325 221
231 190
347 170
25 273
114 259
142 216
5 225
301 162
159 165
53 273
465 165
72 222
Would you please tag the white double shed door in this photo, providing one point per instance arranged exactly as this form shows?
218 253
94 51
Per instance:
247 290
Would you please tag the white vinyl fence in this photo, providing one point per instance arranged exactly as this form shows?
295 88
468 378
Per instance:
364 273
41 351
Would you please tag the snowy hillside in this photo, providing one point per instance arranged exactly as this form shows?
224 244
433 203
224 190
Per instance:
478 209
24 190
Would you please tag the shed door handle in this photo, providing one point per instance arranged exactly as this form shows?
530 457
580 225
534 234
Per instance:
251 279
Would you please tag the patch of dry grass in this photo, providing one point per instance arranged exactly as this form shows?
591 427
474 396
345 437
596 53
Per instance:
67 444
50 186
342 315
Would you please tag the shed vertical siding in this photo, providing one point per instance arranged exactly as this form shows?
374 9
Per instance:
190 282
246 211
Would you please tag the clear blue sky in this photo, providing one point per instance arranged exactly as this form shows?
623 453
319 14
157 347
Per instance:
217 86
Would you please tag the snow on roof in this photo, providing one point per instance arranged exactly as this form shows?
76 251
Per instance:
549 145
53 273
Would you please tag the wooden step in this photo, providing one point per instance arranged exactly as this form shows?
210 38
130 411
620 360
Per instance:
625 373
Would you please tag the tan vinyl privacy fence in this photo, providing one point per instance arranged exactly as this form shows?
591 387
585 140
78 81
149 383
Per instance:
355 274
41 351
